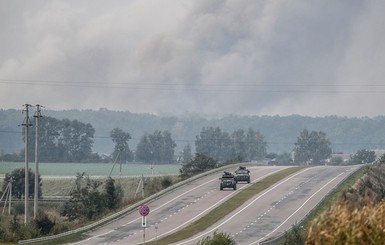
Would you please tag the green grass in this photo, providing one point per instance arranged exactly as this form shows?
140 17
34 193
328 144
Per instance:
62 187
93 169
225 208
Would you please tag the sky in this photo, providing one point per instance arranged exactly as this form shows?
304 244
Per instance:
262 57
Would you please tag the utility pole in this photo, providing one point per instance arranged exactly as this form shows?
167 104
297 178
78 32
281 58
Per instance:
10 196
26 123
37 117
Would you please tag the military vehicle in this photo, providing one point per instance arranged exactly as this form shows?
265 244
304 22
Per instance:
227 181
242 174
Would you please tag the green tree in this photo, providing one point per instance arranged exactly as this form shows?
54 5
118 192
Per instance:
157 147
312 147
49 129
48 137
86 201
214 143
218 238
168 147
255 145
199 164
76 140
296 236
113 194
144 150
62 141
18 183
121 138
363 156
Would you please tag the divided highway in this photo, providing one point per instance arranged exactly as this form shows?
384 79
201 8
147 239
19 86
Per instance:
266 215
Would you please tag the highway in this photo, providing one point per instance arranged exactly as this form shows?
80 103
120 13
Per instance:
266 215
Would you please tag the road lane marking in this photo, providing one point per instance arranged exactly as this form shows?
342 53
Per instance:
258 241
224 222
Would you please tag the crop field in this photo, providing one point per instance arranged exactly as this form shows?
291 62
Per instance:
59 178
69 170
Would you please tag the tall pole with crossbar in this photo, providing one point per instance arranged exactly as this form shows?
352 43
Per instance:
26 123
37 117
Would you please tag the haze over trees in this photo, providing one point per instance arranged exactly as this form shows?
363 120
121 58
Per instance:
62 140
312 147
90 133
121 149
222 146
156 147
363 156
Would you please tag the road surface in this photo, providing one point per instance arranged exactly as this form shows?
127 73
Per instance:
266 215
276 209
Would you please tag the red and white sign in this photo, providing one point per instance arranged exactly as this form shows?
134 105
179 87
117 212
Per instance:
144 210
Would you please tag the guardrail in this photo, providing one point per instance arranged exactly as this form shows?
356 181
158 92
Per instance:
127 210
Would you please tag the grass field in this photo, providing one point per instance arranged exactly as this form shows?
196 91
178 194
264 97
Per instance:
93 169
58 178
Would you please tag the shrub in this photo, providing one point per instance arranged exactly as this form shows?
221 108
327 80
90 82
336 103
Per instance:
44 223
166 182
217 239
341 225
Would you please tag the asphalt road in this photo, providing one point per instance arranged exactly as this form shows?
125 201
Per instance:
267 215
275 210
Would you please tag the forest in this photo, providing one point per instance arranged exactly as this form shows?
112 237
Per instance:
347 135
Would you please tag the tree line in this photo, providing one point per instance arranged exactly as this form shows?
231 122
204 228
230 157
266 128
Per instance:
72 141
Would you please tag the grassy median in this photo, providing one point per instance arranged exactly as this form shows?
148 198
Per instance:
225 208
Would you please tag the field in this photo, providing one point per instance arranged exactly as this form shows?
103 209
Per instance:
65 170
58 178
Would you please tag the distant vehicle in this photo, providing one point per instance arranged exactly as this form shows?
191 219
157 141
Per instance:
242 174
227 181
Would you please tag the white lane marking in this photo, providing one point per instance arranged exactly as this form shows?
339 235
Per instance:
315 193
135 220
213 206
227 220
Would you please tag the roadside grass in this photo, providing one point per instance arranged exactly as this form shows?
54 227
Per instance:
332 198
63 186
225 208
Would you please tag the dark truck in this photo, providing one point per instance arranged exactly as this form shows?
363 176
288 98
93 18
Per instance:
242 175
227 181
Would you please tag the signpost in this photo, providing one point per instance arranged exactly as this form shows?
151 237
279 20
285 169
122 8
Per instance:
144 210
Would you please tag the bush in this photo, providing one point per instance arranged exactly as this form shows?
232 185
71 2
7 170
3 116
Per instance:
44 223
217 239
166 182
358 217
341 225
295 236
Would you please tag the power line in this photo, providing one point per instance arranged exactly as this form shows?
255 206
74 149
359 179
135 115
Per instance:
266 87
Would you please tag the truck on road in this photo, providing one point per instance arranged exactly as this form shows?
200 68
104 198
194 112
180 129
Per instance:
227 181
242 174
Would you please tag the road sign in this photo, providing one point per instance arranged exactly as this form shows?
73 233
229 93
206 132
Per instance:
144 221
144 210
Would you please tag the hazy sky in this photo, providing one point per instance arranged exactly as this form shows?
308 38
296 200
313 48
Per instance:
261 57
